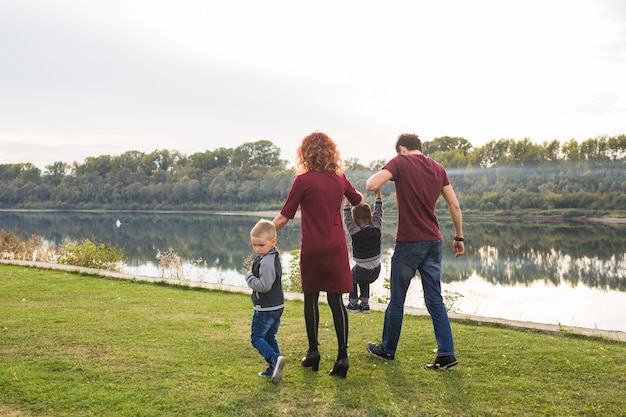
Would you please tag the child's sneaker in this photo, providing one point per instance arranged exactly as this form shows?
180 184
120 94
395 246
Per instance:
376 349
353 307
277 373
365 308
267 373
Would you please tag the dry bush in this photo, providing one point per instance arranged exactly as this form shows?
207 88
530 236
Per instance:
13 247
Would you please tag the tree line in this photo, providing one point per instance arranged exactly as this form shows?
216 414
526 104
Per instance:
503 175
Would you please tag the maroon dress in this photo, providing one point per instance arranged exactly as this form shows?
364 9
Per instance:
324 263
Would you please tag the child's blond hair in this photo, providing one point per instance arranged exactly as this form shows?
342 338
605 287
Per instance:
264 228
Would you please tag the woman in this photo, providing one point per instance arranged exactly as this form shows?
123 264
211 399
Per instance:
319 189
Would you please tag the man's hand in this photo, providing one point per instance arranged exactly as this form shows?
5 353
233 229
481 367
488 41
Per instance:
458 248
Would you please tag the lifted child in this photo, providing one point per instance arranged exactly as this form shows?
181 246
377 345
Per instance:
365 230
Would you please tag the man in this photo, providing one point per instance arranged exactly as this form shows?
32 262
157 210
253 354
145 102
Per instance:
419 181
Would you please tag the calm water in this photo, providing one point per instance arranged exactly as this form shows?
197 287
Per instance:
549 272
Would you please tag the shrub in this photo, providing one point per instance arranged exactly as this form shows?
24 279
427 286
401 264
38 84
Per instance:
33 249
293 281
91 255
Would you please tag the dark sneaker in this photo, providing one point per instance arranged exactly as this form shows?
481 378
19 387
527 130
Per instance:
353 307
277 375
365 308
267 373
377 350
443 362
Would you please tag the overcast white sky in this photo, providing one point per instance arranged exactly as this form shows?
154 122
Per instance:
83 78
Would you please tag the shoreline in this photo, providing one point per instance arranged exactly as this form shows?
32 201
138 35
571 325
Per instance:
485 217
554 329
272 213
547 218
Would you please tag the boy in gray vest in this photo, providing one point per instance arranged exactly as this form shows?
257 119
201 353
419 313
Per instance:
365 231
267 297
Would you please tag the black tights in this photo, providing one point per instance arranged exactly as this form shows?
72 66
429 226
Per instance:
340 319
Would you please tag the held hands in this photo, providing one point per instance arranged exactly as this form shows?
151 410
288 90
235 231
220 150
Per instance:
379 194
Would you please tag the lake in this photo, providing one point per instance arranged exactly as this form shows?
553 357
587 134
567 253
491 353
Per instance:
572 273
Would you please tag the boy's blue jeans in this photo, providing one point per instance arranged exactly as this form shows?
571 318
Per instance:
264 328
361 279
409 257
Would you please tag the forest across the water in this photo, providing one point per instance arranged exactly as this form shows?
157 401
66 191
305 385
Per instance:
509 177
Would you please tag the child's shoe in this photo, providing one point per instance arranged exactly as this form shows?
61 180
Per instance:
365 308
267 373
353 307
277 373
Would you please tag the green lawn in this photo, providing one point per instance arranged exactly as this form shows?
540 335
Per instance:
77 345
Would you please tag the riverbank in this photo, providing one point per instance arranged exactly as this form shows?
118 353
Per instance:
268 214
547 328
546 218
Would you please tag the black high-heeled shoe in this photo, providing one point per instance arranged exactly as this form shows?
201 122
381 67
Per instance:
312 360
340 368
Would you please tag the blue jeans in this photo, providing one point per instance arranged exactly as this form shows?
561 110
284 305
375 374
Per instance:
409 257
361 279
264 328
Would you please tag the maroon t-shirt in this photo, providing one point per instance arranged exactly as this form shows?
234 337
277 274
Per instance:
324 263
418 180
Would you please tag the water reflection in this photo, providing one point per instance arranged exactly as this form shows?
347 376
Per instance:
511 253
216 239
499 255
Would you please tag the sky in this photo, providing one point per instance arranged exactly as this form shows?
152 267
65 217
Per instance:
82 78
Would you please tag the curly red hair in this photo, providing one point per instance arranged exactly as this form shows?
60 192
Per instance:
318 152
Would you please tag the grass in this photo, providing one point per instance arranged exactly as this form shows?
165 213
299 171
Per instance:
77 345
